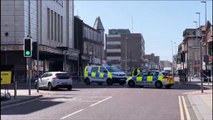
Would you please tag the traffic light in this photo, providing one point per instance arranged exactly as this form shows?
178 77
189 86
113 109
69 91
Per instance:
27 47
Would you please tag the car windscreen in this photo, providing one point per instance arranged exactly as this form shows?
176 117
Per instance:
62 75
114 69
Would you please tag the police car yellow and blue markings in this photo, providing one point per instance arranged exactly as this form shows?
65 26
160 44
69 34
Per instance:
98 75
146 78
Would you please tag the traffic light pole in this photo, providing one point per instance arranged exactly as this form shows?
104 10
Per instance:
28 58
29 74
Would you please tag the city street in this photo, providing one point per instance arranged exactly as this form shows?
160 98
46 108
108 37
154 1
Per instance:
91 56
107 103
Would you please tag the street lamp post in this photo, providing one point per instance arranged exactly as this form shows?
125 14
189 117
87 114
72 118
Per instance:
205 9
198 34
205 23
195 23
172 56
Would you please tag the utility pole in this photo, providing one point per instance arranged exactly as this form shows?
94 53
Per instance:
172 58
199 35
28 59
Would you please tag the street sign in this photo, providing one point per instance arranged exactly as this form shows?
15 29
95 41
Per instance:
6 77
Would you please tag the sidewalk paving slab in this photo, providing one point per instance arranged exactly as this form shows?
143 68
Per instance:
201 104
22 97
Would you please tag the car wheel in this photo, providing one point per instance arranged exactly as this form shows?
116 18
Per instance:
109 82
168 86
87 81
158 84
50 87
122 83
131 83
69 88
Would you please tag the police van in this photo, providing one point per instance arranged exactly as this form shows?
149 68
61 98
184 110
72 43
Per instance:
104 74
151 78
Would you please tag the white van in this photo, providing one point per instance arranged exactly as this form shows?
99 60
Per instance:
104 74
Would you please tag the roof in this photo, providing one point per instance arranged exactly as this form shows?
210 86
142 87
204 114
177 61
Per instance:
98 24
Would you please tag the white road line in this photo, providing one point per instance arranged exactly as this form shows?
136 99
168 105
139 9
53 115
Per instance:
101 101
181 109
72 114
186 109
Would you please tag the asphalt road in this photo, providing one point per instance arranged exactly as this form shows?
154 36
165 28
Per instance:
107 103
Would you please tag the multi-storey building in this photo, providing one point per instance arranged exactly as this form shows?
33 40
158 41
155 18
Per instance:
191 47
50 23
207 44
125 49
113 45
90 41
191 50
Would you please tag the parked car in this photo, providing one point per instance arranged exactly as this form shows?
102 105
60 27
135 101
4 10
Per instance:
53 80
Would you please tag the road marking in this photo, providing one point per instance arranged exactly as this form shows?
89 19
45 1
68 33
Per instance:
186 109
72 114
101 101
181 109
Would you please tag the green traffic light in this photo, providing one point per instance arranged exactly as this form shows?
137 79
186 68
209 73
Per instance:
27 53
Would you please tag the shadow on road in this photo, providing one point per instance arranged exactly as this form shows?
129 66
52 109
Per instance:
31 107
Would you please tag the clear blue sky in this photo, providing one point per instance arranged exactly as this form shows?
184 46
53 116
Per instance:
160 22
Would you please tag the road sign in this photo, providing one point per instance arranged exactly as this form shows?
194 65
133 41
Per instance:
6 77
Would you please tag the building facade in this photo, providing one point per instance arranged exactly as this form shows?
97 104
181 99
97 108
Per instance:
207 44
50 23
191 50
125 49
153 62
191 47
90 41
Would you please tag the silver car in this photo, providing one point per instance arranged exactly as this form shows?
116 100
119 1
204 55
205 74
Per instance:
53 80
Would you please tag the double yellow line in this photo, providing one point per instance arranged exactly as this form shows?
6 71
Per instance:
183 107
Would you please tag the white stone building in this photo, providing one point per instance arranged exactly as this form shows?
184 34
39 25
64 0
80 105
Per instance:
50 23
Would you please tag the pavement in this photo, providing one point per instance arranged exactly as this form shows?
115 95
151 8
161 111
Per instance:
200 102
21 97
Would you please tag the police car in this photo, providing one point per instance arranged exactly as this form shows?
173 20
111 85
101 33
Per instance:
104 74
150 78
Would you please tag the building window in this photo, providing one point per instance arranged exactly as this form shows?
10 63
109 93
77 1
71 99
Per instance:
55 24
57 30
61 28
48 23
51 27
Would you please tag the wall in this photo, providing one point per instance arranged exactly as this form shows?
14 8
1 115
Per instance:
12 21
